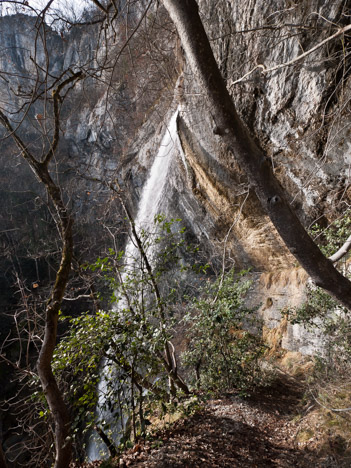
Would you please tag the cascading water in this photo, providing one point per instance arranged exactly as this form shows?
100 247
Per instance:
150 200
149 206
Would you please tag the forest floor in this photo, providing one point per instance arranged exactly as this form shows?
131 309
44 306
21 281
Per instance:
269 429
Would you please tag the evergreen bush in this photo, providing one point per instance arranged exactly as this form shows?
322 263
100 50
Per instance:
225 344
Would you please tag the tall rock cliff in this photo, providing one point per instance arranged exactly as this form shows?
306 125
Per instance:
114 120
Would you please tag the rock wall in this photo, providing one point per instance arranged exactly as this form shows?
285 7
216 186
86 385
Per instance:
298 114
113 124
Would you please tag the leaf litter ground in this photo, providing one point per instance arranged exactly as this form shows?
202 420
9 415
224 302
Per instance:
260 431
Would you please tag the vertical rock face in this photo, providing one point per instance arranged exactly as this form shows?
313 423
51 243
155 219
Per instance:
113 124
297 112
296 108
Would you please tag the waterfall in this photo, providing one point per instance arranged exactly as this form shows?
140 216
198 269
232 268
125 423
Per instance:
149 205
151 197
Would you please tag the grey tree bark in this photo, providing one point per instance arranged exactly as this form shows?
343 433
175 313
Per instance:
251 158
344 249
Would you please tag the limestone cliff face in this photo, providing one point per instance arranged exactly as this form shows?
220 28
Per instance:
298 114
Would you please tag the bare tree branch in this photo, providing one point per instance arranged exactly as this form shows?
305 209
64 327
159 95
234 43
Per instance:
57 100
344 249
292 61
99 5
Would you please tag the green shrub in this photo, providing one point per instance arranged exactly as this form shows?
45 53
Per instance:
331 238
322 313
130 341
222 353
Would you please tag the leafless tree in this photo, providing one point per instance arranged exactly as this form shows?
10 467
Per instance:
64 222
38 101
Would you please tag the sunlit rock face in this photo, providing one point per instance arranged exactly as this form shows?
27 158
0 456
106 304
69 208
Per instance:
298 115
290 111
295 112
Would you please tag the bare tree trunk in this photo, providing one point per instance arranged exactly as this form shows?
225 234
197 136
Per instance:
64 223
3 463
108 442
252 160
52 393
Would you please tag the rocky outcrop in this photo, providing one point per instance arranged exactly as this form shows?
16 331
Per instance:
296 108
112 124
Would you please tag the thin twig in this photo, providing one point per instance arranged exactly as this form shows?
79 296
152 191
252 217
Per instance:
296 59
225 244
335 410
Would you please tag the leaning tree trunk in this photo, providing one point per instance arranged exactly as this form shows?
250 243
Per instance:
252 160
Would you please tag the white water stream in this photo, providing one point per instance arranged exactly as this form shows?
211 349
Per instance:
151 197
149 205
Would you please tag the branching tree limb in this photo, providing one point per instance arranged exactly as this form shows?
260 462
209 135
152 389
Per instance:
251 158
57 99
64 222
265 70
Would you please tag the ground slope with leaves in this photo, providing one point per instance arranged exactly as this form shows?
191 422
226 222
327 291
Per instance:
265 430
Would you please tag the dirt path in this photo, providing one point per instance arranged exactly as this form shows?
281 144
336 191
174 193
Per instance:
231 432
